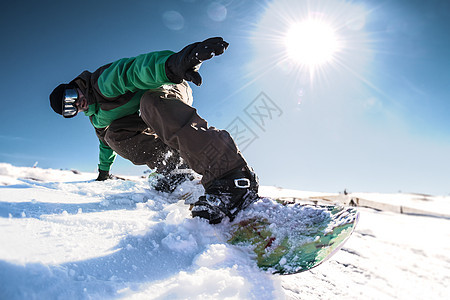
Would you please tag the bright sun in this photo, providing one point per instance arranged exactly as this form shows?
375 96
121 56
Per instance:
311 43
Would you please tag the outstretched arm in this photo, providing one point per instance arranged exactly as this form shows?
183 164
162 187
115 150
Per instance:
151 70
106 158
144 72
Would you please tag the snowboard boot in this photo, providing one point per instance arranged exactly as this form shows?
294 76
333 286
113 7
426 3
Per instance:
227 196
170 173
168 183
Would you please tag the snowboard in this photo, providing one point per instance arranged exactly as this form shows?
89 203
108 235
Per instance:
291 238
283 238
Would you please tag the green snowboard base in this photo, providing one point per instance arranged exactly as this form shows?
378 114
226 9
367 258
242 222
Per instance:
292 238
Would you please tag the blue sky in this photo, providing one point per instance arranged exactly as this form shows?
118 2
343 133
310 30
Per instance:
375 119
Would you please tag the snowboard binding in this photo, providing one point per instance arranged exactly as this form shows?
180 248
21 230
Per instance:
227 196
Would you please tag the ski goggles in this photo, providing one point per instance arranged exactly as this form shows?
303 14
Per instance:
69 99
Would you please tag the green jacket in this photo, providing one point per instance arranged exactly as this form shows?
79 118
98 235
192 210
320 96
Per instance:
115 90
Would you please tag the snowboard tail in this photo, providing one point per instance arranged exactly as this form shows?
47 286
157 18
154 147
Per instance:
302 238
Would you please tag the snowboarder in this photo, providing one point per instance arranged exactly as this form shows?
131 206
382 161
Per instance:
141 109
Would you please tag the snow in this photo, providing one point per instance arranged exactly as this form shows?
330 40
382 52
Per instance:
66 236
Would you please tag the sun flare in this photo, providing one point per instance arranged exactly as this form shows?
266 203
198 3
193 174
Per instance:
311 43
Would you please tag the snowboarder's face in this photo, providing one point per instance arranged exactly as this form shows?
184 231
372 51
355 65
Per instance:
81 102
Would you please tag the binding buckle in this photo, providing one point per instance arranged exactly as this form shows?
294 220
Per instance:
242 183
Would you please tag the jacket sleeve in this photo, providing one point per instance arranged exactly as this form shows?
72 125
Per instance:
106 157
144 72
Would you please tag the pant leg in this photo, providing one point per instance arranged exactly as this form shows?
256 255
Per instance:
208 151
131 138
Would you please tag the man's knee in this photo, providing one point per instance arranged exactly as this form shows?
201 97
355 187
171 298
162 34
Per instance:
165 112
111 139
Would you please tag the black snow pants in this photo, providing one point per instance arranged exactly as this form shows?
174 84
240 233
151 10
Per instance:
169 124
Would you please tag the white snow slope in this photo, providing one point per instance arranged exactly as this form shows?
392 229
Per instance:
65 236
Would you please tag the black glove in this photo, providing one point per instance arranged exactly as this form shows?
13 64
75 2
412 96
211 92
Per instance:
186 63
103 175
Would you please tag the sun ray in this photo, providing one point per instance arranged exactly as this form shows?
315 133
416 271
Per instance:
348 61
311 39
